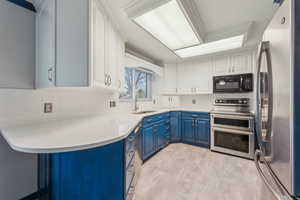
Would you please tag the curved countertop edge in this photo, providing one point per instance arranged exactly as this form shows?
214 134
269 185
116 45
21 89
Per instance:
70 148
66 149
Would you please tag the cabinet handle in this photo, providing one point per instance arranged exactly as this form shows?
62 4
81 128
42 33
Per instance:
194 116
105 79
109 80
50 74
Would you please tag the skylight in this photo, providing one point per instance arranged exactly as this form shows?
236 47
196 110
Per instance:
212 47
168 24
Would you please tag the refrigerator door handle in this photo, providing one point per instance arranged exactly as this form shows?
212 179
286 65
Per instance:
280 193
264 48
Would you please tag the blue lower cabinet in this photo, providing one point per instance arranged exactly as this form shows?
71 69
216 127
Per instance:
196 128
202 132
188 130
92 174
155 134
149 141
175 126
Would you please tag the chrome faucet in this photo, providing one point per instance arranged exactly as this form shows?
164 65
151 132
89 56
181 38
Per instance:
135 106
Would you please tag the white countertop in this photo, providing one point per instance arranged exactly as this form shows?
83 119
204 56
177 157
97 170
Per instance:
66 135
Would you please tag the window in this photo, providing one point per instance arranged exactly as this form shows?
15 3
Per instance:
137 82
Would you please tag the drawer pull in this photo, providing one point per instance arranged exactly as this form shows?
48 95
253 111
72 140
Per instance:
194 115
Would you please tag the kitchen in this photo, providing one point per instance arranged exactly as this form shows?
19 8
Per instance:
165 99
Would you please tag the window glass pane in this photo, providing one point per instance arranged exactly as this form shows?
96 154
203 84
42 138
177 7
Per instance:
141 84
138 81
127 94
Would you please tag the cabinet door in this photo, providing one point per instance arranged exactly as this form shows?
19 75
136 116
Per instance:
111 54
170 79
148 142
120 63
175 127
97 45
72 43
161 136
188 130
89 174
202 131
241 63
45 39
222 66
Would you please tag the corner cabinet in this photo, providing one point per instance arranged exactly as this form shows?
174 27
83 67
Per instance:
77 46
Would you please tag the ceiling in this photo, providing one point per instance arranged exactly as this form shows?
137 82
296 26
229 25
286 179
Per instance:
217 19
213 19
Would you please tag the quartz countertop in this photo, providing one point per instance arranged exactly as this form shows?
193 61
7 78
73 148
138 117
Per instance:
53 136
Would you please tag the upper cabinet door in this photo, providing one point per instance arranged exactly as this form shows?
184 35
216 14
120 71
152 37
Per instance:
45 44
72 42
242 63
97 56
170 79
222 66
111 54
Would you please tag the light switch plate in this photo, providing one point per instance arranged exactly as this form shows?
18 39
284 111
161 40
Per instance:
48 107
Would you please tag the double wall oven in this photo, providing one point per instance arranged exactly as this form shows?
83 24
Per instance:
232 129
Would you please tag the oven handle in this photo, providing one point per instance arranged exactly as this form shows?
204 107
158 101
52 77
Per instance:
232 117
237 132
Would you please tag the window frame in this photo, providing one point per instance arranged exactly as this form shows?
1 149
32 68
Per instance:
149 87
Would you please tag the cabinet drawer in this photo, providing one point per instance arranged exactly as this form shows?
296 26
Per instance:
155 118
189 115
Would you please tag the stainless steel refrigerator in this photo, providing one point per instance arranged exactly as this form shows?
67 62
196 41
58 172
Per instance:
278 112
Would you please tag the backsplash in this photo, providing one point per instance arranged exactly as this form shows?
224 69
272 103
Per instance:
17 106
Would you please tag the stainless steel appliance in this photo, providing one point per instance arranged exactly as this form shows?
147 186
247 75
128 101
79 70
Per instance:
278 111
232 127
239 83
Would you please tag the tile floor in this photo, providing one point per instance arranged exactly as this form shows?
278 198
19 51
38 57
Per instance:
185 172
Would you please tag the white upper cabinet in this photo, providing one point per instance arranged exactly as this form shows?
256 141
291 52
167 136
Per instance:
84 47
170 79
234 64
97 53
45 44
242 63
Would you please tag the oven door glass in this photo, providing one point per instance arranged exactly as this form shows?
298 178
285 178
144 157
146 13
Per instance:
231 141
239 123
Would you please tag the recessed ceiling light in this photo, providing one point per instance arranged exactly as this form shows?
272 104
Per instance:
168 24
212 47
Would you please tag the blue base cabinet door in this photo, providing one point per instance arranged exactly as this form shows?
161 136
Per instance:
202 132
188 130
175 129
94 174
149 142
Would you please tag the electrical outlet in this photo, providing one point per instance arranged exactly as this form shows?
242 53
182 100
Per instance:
48 107
194 101
112 104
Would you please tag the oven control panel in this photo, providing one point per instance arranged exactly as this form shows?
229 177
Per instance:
232 102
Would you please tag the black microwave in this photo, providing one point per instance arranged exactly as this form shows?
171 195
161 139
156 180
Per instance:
240 83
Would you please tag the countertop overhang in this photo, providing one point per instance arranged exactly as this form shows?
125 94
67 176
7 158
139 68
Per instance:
55 136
